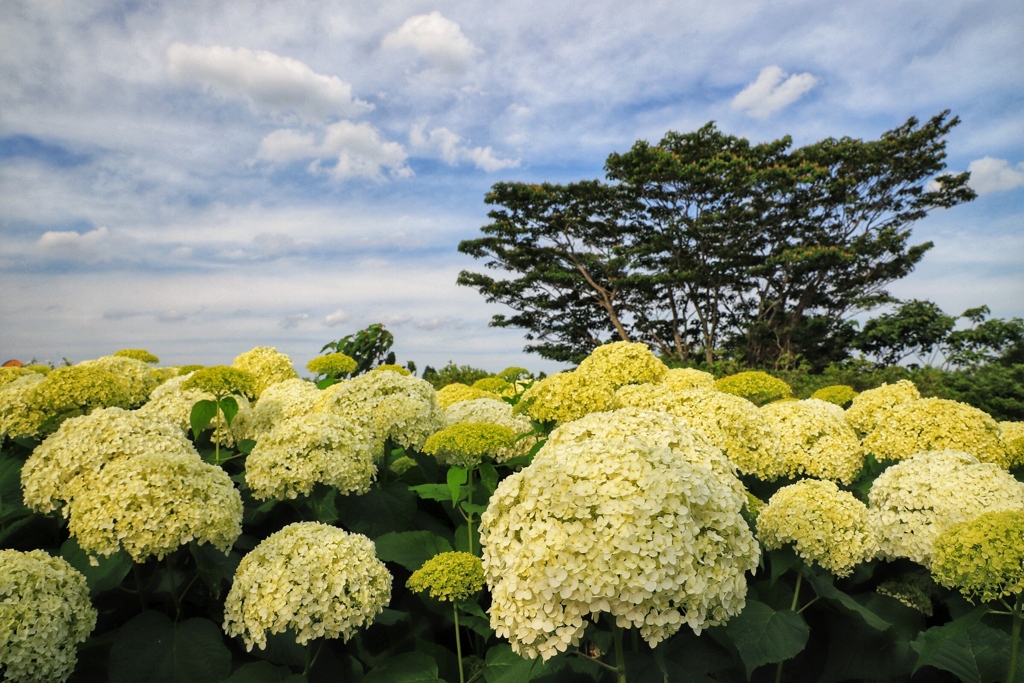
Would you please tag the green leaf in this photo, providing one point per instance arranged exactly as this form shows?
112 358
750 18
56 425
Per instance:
438 492
152 649
324 383
457 476
107 575
967 648
246 445
202 415
260 672
822 584
229 406
10 480
782 560
389 507
410 667
410 548
489 476
473 508
764 636
502 665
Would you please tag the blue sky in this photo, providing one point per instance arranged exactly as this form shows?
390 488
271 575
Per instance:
198 178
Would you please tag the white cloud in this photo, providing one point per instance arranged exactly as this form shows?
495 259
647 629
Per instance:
292 321
437 39
70 240
358 148
772 91
995 175
449 146
335 318
268 79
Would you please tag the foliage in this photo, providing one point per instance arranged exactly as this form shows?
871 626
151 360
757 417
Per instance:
368 348
454 374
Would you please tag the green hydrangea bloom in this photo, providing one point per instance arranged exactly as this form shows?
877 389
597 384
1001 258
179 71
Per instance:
915 589
222 380
495 385
171 401
827 526
467 443
304 450
266 365
815 440
316 579
983 557
402 465
935 424
138 354
9 374
1012 436
453 393
621 363
140 378
331 365
567 396
514 373
494 411
18 415
682 379
44 614
756 386
869 407
840 394
392 367
68 392
452 576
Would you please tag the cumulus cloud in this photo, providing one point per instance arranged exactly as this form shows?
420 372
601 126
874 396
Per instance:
435 38
451 149
772 91
70 240
346 150
292 321
265 78
336 318
995 175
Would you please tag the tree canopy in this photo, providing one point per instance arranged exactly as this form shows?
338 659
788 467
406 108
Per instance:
707 243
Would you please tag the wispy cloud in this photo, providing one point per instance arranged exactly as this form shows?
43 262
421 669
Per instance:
71 241
453 151
344 150
772 91
336 317
438 40
995 175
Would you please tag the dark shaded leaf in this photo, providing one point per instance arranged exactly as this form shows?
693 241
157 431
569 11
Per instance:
764 636
106 575
410 548
152 649
410 667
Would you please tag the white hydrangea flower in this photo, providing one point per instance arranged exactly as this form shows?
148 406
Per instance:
19 415
171 402
290 398
815 439
493 411
620 363
140 377
869 407
267 366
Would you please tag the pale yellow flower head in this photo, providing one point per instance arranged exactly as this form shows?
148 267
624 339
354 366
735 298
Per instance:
391 367
386 405
494 411
840 394
466 444
278 402
138 354
915 589
152 503
615 526
19 416
1012 436
567 396
331 365
450 576
266 365
983 557
621 363
11 373
304 450
315 579
140 378
456 392
815 439
45 613
871 406
171 401
495 385
916 499
936 424
222 380
827 526
754 385
67 392
682 379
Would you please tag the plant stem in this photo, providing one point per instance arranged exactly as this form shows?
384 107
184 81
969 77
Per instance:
469 518
1015 637
310 661
458 643
620 659
792 607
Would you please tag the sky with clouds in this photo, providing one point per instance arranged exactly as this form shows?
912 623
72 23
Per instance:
198 178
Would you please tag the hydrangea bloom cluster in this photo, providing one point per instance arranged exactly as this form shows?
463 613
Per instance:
331 365
916 499
827 526
44 614
64 393
756 386
278 402
621 363
391 367
495 385
173 402
936 424
19 416
266 365
681 379
983 557
815 439
1012 435
386 405
456 392
914 589
514 373
869 407
154 502
138 354
840 394
315 579
450 576
11 373
82 446
494 411
617 526
567 396
303 450
221 380
141 380
466 444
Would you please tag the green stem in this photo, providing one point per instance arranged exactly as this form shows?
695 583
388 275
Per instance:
310 661
620 659
1015 637
469 518
796 599
139 588
458 643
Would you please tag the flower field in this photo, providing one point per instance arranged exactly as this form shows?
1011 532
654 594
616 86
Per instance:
623 521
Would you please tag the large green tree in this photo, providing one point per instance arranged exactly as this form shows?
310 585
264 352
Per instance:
706 242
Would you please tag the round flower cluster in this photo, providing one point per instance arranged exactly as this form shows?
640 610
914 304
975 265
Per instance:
82 446
301 451
154 502
222 380
815 439
869 407
826 525
495 385
494 411
11 373
331 365
19 416
915 589
315 579
617 526
138 354
456 392
67 392
44 614
450 576
290 398
141 380
466 444
681 379
266 366
840 394
171 401
756 386
566 396
983 557
391 367
514 373
936 424
916 499
1012 435
386 405
621 363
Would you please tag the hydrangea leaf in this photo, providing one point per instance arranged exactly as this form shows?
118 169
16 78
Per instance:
489 476
152 649
457 476
410 667
502 665
259 672
229 406
439 492
388 507
764 636
410 548
202 415
973 651
106 575
826 591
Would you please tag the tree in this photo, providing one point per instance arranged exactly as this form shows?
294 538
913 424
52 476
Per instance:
707 242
